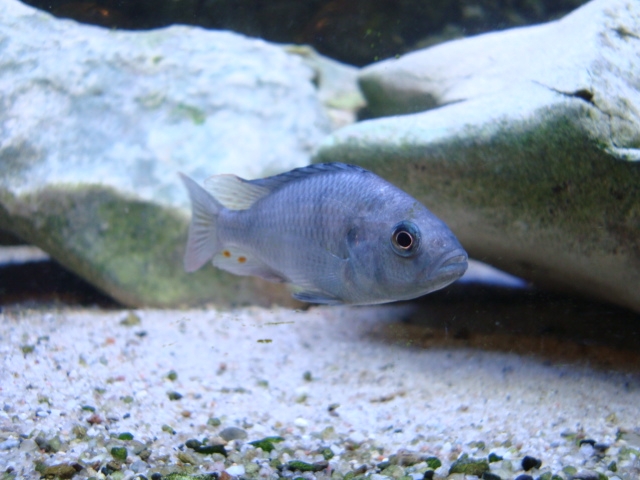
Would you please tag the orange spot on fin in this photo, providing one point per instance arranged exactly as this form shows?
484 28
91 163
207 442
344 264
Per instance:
226 253
242 259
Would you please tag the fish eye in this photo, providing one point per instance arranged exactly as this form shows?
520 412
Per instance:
405 238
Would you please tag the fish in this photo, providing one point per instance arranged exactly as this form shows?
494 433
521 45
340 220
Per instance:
336 233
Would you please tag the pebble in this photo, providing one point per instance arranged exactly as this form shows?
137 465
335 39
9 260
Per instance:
233 433
529 463
235 470
9 444
138 466
300 422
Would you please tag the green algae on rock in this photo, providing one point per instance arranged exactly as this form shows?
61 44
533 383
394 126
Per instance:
469 466
129 248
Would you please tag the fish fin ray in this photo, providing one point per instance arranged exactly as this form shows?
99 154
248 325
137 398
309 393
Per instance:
234 192
312 296
277 181
239 262
202 241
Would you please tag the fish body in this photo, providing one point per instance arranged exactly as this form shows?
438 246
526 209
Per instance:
338 233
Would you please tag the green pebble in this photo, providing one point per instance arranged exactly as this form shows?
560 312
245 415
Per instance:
62 470
125 436
55 444
214 422
80 431
88 408
494 458
266 444
613 466
119 453
327 453
307 376
393 471
127 399
433 463
300 466
27 349
172 375
569 470
131 320
469 466
168 429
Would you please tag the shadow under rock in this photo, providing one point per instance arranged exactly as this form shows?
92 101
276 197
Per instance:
555 327
43 284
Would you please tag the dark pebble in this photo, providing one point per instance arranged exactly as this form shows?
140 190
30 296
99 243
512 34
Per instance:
494 458
601 447
174 395
209 449
530 462
490 476
587 441
524 476
156 476
428 475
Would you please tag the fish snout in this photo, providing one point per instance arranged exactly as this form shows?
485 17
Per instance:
451 264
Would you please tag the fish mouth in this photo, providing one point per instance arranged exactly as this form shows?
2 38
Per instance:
448 268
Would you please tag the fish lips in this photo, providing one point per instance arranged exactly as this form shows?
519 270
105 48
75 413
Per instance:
447 269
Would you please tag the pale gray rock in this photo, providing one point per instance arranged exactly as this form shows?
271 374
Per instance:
528 145
96 123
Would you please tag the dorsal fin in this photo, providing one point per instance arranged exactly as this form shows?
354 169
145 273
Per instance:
277 181
233 192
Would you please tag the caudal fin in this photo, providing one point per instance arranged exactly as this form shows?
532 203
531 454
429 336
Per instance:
202 244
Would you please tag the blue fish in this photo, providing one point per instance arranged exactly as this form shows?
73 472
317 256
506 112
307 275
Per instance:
339 234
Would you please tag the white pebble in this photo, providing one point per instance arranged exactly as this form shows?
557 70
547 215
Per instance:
235 470
300 422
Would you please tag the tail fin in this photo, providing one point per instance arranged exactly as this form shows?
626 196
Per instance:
202 244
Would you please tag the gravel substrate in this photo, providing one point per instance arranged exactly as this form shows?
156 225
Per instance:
259 393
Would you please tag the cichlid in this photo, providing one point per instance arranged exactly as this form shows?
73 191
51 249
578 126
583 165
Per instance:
338 233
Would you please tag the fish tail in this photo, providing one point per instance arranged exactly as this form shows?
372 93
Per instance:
202 243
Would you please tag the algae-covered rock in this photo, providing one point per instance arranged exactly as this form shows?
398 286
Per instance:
530 152
469 466
97 123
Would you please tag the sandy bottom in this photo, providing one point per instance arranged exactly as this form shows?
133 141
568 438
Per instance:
329 381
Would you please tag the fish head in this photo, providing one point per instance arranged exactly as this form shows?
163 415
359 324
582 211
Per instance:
404 253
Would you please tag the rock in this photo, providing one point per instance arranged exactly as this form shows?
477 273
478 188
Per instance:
337 85
528 146
96 124
469 466
233 433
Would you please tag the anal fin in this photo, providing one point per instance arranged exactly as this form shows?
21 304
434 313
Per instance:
239 262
